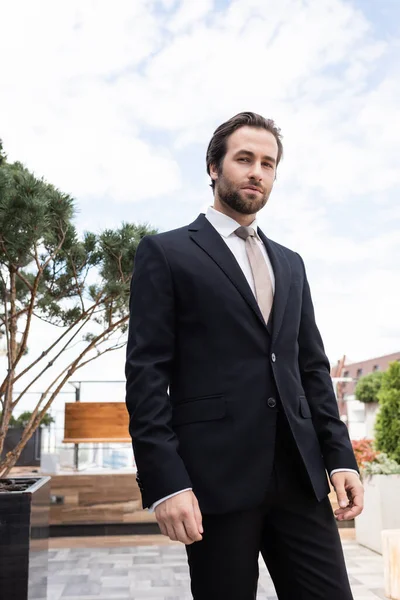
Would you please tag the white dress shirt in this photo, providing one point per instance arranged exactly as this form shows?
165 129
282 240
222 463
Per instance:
226 227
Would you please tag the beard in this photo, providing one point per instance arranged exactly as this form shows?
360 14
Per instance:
239 200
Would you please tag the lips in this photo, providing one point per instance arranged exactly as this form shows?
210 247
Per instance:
251 188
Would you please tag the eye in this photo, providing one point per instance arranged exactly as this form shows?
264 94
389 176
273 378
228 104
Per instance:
268 165
244 159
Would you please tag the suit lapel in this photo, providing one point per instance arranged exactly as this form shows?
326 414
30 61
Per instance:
209 240
283 275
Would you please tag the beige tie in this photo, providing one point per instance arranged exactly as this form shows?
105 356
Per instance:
259 268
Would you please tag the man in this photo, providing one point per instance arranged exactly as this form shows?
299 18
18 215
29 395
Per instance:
233 416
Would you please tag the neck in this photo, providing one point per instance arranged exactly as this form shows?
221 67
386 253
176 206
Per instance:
244 220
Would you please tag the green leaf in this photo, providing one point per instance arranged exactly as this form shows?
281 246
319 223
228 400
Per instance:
387 426
368 387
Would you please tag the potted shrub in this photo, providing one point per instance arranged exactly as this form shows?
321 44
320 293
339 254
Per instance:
379 463
24 521
367 390
30 455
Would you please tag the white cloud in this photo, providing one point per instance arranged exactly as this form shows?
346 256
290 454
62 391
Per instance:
189 13
60 111
105 103
358 313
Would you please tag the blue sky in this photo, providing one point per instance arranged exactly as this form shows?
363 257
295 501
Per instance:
116 107
384 16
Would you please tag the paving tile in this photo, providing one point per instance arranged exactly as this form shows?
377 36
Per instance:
361 591
116 571
54 591
92 597
68 577
79 590
113 582
136 586
155 573
373 579
117 592
122 550
380 593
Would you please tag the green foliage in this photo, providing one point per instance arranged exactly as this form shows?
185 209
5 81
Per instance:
368 387
32 214
372 462
3 156
37 233
22 420
381 465
387 427
118 249
78 283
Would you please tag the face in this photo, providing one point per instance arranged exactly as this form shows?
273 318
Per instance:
248 170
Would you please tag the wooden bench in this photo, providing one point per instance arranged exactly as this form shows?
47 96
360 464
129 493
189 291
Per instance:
96 422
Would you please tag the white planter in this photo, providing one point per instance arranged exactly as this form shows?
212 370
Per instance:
381 510
370 412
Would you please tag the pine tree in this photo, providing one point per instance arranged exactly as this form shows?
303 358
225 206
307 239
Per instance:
80 285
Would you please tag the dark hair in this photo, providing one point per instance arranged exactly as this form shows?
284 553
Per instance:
217 147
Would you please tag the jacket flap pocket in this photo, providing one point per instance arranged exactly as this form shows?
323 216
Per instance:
304 408
209 409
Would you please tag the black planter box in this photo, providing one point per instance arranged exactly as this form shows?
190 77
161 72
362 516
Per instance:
24 531
30 455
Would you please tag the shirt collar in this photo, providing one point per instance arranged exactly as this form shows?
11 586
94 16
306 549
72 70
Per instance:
225 225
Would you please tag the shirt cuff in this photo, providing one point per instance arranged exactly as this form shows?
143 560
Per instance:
153 506
341 470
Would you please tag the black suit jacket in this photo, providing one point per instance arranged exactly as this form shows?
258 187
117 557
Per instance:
204 372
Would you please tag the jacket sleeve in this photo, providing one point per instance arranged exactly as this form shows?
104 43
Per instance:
317 383
150 354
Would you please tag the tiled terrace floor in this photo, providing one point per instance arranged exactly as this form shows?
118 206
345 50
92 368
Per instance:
140 571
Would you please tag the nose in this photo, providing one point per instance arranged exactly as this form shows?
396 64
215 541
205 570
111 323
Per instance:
255 171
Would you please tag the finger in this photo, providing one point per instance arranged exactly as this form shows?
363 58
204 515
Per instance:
197 515
163 528
171 532
349 514
192 528
353 512
340 512
342 497
181 534
358 499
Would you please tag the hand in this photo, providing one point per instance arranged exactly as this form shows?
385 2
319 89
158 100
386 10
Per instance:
350 495
179 518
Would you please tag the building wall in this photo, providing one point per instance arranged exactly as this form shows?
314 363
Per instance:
365 367
359 417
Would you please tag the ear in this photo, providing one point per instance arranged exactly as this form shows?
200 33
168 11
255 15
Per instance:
213 172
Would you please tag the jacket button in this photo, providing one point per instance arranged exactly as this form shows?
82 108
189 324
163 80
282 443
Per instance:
271 402
273 357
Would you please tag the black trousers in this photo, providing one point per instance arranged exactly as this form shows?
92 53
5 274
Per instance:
296 535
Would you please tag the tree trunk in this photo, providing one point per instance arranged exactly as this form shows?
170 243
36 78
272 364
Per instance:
12 327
